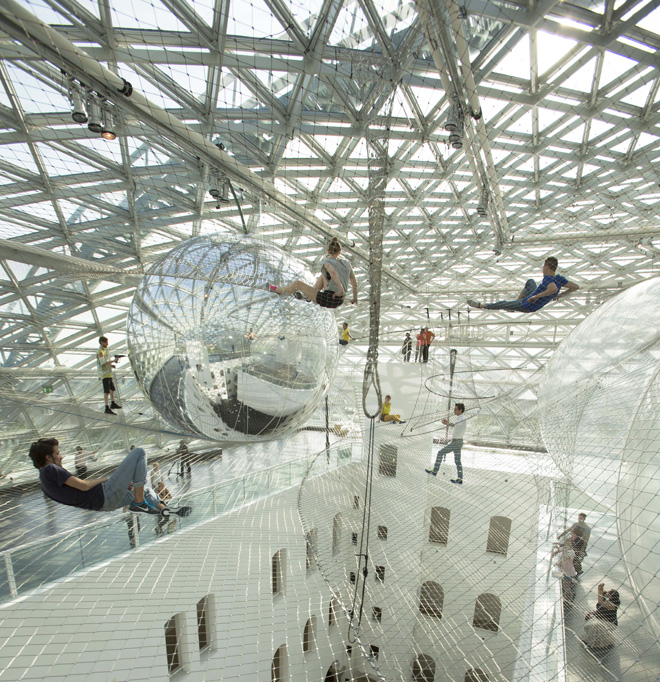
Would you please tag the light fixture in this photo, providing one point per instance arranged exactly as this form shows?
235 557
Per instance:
456 136
108 129
483 202
454 117
95 120
77 103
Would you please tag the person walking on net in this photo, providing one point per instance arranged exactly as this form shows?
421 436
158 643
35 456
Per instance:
105 366
406 349
330 288
455 446
533 297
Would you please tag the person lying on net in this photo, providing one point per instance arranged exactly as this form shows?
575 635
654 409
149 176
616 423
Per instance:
330 288
98 494
534 297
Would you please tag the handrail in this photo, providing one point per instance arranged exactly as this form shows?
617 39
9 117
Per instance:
72 557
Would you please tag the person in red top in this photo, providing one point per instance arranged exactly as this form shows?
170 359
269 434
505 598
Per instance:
421 342
428 337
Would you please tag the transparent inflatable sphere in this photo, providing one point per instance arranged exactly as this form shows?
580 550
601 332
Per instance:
600 410
217 353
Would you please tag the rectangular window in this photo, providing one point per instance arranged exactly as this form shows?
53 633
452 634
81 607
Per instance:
439 530
203 633
498 535
310 549
353 577
349 650
382 532
380 574
354 538
377 614
373 652
356 501
387 460
172 645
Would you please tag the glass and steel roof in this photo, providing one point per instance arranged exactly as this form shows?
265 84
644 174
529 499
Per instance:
556 107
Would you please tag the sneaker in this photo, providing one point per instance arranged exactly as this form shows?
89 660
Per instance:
114 406
109 411
141 508
457 480
430 471
272 287
181 512
473 304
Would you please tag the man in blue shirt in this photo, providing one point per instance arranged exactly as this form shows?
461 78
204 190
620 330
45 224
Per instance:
98 494
534 297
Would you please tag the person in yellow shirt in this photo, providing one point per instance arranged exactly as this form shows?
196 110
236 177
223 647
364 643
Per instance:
105 365
345 335
385 415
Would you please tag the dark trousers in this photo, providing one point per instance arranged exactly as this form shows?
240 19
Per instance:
455 446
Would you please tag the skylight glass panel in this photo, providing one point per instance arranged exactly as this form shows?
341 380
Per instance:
551 49
253 18
58 163
19 155
651 22
192 77
350 28
614 66
305 12
45 12
582 80
146 14
516 63
33 94
638 97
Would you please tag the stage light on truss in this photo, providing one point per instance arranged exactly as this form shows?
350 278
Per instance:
454 118
108 119
483 202
95 116
78 113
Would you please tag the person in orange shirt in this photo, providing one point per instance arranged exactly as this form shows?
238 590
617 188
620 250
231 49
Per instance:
428 336
421 342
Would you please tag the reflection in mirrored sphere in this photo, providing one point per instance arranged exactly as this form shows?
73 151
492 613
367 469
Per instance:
217 353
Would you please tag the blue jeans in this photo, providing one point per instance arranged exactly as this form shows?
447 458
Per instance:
132 470
515 306
455 446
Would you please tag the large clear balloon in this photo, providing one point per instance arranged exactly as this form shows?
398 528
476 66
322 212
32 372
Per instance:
600 410
217 353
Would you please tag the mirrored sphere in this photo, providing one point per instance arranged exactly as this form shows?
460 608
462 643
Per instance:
217 353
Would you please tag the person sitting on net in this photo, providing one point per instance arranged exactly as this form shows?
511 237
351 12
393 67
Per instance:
330 288
600 629
533 297
385 415
98 494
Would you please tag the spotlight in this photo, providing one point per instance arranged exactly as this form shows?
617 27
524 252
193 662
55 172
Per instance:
108 129
454 118
94 108
483 203
78 104
224 191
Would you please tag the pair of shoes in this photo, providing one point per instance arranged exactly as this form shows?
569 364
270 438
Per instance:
108 410
114 406
457 480
141 508
430 471
473 304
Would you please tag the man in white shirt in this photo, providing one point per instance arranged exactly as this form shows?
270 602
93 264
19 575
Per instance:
455 446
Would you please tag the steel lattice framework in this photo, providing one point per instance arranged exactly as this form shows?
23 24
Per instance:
559 113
